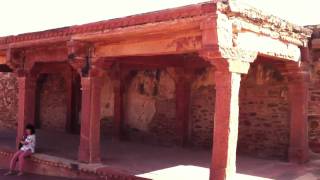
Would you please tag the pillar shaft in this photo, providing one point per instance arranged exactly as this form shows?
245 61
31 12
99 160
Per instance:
26 103
298 99
89 149
226 121
118 109
69 96
183 93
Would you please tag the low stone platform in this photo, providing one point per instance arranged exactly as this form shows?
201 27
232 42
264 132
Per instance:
60 167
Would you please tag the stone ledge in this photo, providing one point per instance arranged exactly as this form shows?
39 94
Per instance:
55 166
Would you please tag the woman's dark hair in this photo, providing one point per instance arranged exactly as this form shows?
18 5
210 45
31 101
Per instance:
31 128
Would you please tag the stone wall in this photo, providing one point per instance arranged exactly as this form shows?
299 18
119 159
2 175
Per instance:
264 113
202 109
53 106
107 107
8 100
314 107
150 107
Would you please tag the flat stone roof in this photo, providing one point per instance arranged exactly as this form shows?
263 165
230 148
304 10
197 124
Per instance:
229 7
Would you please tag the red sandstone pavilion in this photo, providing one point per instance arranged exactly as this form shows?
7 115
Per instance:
196 76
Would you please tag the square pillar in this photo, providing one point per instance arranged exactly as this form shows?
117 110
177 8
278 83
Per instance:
298 89
226 122
118 88
183 95
26 103
69 96
89 149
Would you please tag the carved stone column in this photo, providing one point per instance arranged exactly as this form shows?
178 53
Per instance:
225 124
26 102
230 63
89 149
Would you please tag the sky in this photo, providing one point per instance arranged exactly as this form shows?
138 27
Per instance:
21 16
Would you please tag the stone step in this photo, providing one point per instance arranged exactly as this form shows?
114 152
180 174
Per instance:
43 164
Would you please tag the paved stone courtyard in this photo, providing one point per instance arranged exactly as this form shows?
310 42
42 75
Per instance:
167 163
28 177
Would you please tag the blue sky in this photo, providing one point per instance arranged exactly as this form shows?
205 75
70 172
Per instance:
19 16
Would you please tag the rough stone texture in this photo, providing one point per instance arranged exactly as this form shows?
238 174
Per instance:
150 114
202 109
8 100
107 106
53 106
314 106
264 113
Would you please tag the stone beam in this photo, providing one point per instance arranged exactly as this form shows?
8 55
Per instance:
149 30
265 45
176 45
36 43
154 62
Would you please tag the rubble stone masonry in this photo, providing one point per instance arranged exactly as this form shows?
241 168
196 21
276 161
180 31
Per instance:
264 114
150 108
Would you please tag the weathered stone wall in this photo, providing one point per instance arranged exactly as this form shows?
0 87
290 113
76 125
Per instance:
314 107
107 107
53 106
202 109
150 107
264 113
8 100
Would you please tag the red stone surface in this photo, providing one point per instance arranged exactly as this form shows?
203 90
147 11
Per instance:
225 133
89 148
188 11
53 102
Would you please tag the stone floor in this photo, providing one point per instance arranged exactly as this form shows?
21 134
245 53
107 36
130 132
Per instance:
28 177
166 163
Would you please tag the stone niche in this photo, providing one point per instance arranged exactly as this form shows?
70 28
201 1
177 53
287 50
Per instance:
52 98
150 107
264 113
8 100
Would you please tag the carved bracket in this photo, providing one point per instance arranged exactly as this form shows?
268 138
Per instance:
233 59
80 55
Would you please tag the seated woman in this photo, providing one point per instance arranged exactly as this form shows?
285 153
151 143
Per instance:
26 149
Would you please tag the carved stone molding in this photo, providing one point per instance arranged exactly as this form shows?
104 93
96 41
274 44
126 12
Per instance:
237 60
